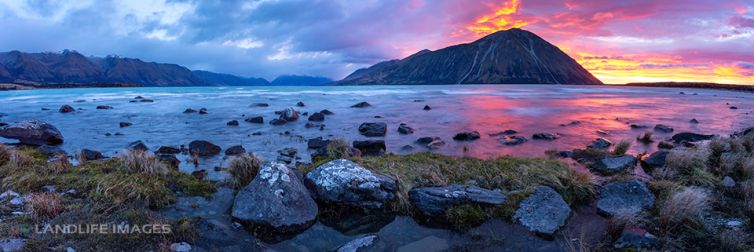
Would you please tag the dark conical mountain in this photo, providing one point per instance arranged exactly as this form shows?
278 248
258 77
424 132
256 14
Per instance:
512 56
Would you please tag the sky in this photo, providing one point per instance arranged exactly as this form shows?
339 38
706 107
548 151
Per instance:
618 41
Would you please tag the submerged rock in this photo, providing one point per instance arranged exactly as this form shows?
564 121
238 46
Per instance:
426 107
346 183
66 109
600 143
232 123
629 196
235 150
545 136
466 136
663 128
203 148
690 137
104 107
33 132
613 165
425 140
189 111
504 132
275 203
361 105
635 237
512 140
326 112
371 147
278 122
694 121
373 129
255 119
260 104
436 143
405 129
300 104
168 150
317 117
434 201
125 124
655 160
638 126
203 111
544 212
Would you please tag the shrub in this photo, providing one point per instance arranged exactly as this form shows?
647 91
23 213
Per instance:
645 138
142 161
688 167
622 147
45 205
244 168
686 205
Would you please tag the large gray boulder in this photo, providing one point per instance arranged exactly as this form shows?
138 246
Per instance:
434 201
544 212
344 182
613 165
275 201
629 196
33 132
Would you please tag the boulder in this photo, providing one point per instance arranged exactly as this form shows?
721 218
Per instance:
189 111
168 150
436 144
434 201
638 126
425 140
255 119
147 100
104 107
343 182
66 109
235 150
543 212
613 165
426 107
278 122
275 202
663 128
169 159
232 123
361 105
512 140
694 121
137 146
629 196
545 136
317 117
317 143
88 154
370 147
300 104
125 124
366 243
504 133
289 114
33 132
466 136
636 238
259 104
373 129
655 160
203 111
203 148
326 112
405 129
690 137
600 143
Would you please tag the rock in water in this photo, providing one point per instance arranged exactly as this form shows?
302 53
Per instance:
289 114
104 107
426 107
203 148
544 212
361 105
629 196
255 119
600 143
300 104
467 136
347 183
663 128
275 203
235 150
137 146
373 129
545 136
33 132
434 201
232 123
168 150
66 109
613 165
655 160
512 140
317 117
89 155
125 124
690 137
371 147
405 129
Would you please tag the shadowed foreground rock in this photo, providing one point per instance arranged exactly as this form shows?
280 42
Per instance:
613 165
33 132
344 182
275 203
630 196
654 161
433 201
544 212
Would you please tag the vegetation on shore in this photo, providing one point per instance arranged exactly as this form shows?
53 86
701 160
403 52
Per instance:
707 85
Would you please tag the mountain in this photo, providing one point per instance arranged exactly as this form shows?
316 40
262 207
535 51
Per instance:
512 56
300 80
70 68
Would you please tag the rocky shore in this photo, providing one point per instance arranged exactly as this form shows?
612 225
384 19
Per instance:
695 193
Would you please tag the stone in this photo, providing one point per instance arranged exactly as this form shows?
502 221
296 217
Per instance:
512 140
300 104
629 196
317 143
180 247
370 147
600 143
466 136
638 126
168 150
636 238
694 121
436 144
690 137
170 159
405 129
425 140
733 107
255 119
613 165
50 151
125 124
275 201
665 145
278 122
235 150
361 105
663 128
317 117
344 182
66 109
326 112
289 114
17 201
377 129
103 107
504 133
203 111
260 104
654 160
9 195
572 123
366 243
426 107
545 136
434 201
189 110
33 132
543 212
232 123
137 146
203 148
88 154
147 100
728 182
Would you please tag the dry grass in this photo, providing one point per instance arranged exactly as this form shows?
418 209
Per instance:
45 205
59 164
732 241
243 169
338 149
688 167
4 154
645 138
622 147
136 161
620 221
686 205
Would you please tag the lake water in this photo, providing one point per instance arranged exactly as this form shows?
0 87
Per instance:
528 109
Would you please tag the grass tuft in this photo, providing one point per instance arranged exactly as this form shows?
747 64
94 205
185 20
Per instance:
645 138
138 161
45 205
338 149
243 169
622 147
686 205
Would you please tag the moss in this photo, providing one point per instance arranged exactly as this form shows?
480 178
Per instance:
507 210
465 216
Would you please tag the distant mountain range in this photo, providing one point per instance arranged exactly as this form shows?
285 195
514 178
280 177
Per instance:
512 56
70 68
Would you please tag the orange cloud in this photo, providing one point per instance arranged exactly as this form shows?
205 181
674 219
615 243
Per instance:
502 18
